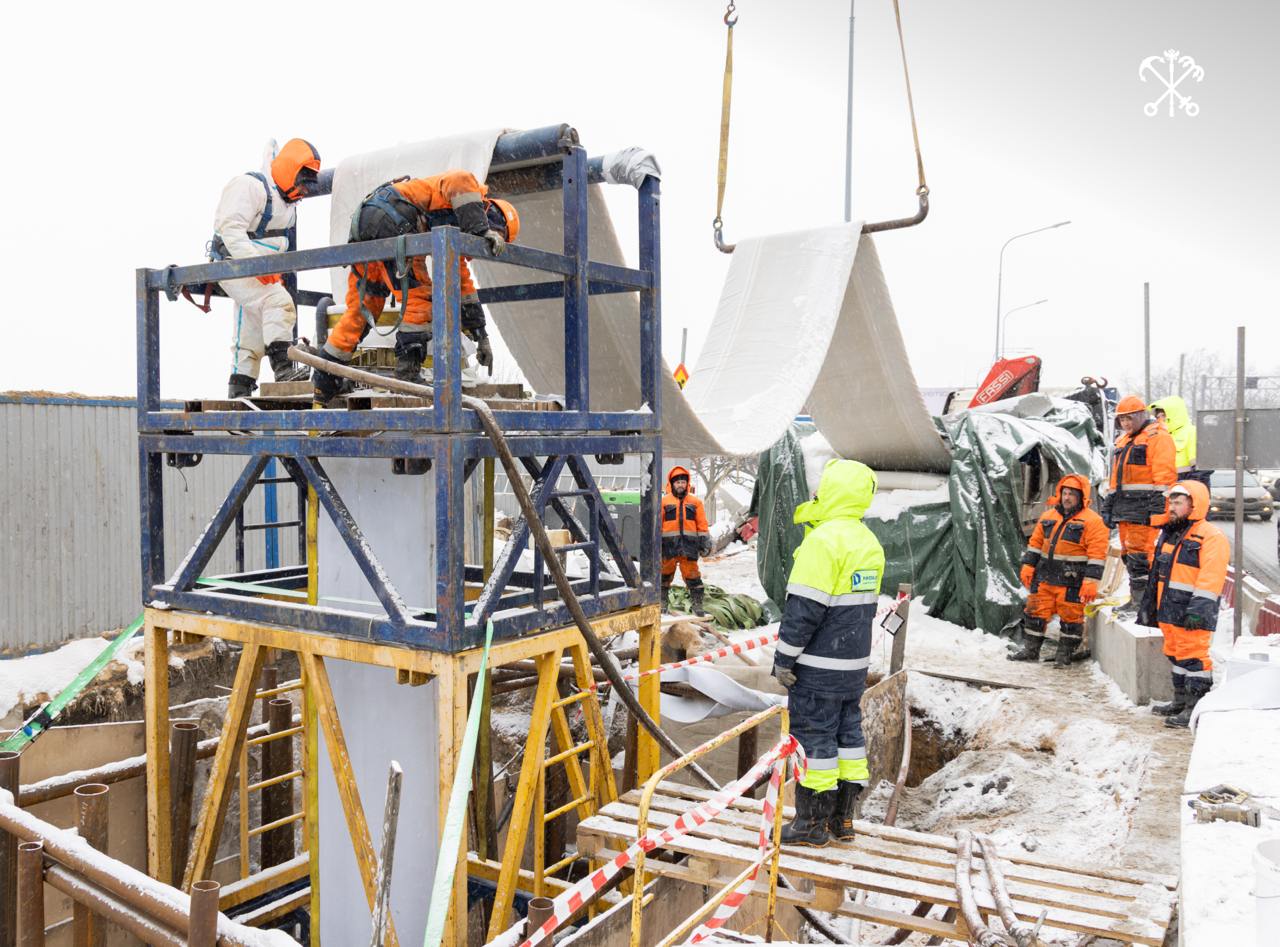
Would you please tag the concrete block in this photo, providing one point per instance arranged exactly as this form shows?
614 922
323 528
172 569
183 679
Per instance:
1132 656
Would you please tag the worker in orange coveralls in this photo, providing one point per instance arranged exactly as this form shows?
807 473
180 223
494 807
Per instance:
1061 568
685 537
409 206
1143 468
1182 599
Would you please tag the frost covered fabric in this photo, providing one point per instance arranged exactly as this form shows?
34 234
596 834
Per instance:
804 323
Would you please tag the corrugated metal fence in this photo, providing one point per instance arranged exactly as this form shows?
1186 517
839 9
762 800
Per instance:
69 560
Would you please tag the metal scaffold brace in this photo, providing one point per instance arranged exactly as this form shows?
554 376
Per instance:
722 171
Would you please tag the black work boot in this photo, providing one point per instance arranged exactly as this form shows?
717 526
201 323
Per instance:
846 811
281 366
411 352
1031 645
1069 637
241 386
696 593
1179 701
1182 719
813 812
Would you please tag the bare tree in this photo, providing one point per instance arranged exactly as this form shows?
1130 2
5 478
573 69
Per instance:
714 470
1208 383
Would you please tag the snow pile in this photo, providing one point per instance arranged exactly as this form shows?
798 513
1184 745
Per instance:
38 677
888 504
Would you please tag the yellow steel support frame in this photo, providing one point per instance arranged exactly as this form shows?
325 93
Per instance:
589 790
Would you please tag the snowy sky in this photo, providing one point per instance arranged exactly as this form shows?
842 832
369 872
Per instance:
123 128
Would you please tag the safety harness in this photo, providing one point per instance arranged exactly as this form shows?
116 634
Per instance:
405 219
216 249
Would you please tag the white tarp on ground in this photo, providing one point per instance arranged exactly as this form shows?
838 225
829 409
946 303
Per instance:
804 323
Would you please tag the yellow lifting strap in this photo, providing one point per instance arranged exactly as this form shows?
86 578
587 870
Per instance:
730 19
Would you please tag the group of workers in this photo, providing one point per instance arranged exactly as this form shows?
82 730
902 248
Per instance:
254 218
1176 560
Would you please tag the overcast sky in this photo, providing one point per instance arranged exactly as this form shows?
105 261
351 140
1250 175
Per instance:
124 123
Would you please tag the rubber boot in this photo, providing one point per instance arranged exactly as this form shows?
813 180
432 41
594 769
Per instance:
1174 707
696 593
1182 719
411 352
1069 637
1031 645
846 811
240 386
813 812
281 366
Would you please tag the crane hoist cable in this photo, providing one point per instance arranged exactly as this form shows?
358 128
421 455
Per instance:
922 189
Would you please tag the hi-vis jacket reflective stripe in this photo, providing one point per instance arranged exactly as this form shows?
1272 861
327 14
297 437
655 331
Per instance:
831 594
1142 471
1066 550
685 532
1190 567
1178 422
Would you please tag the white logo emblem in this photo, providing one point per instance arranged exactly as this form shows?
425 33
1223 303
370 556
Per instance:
1165 69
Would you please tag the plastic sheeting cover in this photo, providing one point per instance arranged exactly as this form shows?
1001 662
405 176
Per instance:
804 323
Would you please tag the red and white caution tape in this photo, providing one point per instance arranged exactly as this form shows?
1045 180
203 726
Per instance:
726 908
737 647
572 900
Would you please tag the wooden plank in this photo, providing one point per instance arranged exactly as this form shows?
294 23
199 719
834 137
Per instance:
159 820
348 791
1054 878
490 870
256 885
648 753
617 835
451 708
846 856
214 809
1130 875
530 777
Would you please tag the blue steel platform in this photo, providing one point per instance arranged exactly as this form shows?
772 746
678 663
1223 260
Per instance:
546 442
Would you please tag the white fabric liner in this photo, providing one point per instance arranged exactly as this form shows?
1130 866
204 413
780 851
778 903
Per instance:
804 324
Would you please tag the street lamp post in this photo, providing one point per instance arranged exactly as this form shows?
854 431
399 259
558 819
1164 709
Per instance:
1000 274
1004 338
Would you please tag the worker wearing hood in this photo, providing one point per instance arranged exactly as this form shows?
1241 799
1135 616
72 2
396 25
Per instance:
1186 585
685 537
824 647
1061 568
1172 412
1143 468
253 219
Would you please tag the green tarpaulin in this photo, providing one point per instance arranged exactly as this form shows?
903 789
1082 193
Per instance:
960 553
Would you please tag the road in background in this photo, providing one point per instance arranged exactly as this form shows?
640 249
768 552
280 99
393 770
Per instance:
1259 550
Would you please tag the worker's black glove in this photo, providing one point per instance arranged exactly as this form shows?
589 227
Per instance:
473 321
704 545
1108 502
484 354
786 677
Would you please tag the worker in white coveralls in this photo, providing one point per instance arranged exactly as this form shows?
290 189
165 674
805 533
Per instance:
253 219
824 647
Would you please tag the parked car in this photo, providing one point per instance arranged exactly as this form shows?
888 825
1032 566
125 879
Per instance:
1222 495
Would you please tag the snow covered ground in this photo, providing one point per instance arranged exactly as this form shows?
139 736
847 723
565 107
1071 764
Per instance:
1065 766
37 677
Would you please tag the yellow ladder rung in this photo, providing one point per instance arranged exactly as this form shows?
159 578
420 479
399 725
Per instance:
581 800
273 781
571 699
562 864
278 823
284 688
268 737
572 751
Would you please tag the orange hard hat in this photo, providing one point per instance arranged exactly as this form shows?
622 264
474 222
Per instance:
293 166
1131 404
504 213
